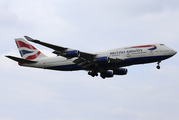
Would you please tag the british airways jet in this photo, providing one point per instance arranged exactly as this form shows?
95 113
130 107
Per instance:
107 63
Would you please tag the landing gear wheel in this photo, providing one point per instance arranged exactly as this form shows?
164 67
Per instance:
93 73
96 74
89 73
102 76
158 67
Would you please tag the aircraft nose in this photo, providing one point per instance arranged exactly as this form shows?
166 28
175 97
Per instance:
175 52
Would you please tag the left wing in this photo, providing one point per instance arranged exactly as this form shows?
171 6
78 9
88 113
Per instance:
84 59
63 51
55 47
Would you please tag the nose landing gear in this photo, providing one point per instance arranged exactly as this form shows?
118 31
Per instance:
158 66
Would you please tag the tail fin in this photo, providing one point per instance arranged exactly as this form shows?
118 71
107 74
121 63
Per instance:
28 51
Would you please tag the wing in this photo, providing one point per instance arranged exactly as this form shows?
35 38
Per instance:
55 47
62 51
84 59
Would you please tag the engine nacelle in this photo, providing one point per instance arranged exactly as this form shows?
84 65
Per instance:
108 74
120 71
102 60
72 53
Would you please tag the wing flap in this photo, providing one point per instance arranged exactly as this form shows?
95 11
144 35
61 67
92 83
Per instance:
83 63
87 56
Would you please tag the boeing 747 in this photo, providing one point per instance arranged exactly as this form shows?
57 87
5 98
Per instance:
107 63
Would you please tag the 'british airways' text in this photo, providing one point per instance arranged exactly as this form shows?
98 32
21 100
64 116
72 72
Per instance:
128 51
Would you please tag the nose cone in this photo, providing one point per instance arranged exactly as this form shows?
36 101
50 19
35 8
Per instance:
175 52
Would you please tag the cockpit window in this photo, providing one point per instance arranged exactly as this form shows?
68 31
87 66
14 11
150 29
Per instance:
162 45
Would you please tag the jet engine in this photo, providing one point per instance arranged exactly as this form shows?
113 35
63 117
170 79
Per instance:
72 53
120 71
102 60
108 74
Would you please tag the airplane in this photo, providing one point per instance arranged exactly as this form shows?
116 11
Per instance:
107 63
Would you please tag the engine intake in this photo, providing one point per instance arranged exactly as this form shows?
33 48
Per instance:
102 60
120 71
72 53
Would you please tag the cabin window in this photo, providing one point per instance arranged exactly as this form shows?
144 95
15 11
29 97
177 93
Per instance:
166 50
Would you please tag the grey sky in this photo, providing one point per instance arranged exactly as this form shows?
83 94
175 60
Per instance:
90 26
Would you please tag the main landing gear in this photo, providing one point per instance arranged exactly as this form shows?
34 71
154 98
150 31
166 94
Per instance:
158 66
93 73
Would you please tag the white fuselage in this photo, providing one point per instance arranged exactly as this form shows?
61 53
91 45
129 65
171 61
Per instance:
131 55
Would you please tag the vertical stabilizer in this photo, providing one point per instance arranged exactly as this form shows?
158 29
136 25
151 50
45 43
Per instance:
28 51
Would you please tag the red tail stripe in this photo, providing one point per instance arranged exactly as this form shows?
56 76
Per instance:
32 57
22 44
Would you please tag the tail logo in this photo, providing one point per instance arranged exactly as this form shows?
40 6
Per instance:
32 57
22 44
26 49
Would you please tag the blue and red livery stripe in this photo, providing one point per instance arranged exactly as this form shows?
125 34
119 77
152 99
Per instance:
144 46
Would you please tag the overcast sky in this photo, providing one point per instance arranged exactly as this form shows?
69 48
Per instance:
90 26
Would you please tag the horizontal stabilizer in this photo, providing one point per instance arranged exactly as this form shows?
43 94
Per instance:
20 60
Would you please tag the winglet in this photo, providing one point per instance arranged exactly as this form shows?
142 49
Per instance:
31 39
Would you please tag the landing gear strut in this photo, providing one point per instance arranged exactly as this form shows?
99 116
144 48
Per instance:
102 76
158 66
